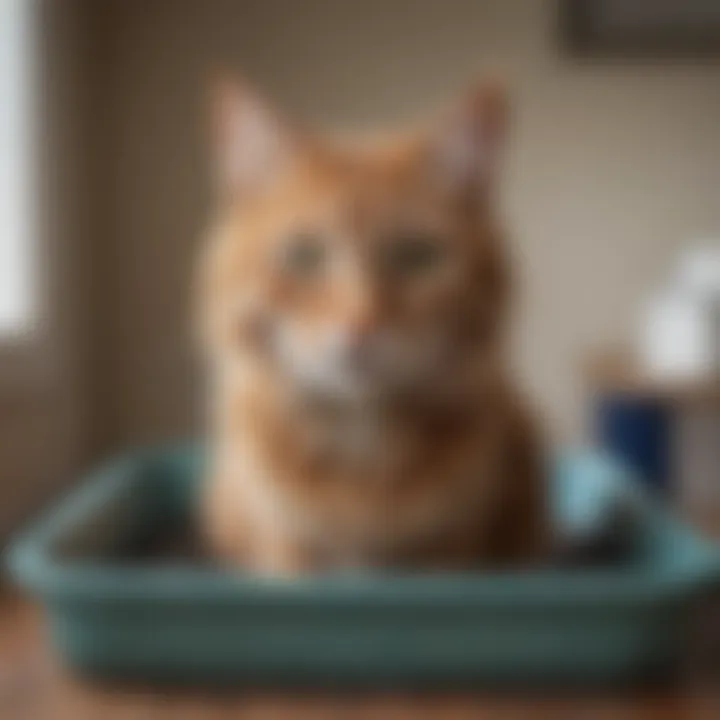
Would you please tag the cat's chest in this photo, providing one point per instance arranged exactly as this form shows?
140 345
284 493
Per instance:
360 484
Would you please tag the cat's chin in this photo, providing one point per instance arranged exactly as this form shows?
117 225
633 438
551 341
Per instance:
356 388
348 392
452 389
368 395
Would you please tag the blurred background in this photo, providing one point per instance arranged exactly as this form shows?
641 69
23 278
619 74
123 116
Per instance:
611 194
613 174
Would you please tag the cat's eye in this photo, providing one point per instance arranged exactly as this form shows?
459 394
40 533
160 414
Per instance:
413 254
304 254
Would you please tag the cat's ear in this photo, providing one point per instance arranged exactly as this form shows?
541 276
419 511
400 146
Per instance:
467 145
252 145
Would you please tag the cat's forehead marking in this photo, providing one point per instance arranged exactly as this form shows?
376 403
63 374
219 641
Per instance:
366 187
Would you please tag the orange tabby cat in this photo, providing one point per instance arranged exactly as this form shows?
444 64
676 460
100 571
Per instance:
354 306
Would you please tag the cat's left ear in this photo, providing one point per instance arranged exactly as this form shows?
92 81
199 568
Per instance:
252 144
467 146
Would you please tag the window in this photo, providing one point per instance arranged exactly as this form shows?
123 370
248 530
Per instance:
18 211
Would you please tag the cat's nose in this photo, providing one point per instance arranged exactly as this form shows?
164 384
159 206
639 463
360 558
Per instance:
359 329
359 326
358 350
357 346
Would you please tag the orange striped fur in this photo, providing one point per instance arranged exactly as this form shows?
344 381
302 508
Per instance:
354 308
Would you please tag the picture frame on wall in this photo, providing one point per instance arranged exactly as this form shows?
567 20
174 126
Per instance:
641 27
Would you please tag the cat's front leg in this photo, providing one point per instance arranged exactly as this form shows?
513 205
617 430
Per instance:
274 554
521 528
239 536
224 527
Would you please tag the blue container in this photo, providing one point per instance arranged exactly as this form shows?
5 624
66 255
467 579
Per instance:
637 431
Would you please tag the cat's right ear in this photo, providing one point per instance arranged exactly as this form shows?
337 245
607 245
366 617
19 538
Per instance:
468 144
252 146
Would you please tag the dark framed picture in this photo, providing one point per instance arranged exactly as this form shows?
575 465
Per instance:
641 27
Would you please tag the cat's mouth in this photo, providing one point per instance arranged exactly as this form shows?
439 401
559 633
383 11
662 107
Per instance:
345 378
376 367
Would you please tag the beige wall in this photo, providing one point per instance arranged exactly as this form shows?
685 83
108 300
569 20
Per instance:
613 168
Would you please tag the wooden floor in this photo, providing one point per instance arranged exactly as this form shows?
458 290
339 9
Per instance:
32 687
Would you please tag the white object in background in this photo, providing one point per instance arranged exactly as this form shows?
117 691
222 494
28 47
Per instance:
700 271
680 339
700 274
677 343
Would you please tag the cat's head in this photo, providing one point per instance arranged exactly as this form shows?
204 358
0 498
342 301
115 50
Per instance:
359 268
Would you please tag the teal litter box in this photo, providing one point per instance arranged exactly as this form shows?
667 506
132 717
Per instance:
116 613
